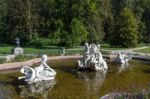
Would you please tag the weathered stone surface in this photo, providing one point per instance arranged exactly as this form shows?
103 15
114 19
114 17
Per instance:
92 58
17 51
30 62
40 73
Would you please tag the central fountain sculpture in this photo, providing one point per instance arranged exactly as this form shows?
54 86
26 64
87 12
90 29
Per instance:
123 58
92 58
40 73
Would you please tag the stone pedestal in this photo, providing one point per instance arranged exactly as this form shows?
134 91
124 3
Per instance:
17 51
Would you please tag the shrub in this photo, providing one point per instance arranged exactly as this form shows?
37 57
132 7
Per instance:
43 42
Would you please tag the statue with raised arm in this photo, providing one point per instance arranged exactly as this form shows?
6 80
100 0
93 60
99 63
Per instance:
87 48
40 73
122 58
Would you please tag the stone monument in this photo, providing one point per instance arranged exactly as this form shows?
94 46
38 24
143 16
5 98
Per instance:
92 58
40 73
17 50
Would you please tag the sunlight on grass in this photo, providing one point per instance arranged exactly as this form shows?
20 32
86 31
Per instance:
146 50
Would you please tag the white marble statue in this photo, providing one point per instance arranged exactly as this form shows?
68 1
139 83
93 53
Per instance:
92 58
123 58
87 48
40 73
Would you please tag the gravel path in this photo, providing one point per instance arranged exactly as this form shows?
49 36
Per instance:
129 50
138 55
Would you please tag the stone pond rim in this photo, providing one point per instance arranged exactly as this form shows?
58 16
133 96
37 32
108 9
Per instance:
17 65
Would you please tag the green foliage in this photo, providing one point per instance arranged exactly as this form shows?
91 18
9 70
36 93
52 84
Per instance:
3 13
126 33
61 20
146 20
93 20
77 34
23 58
146 50
43 42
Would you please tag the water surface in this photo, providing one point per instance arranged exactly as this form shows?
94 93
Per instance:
71 83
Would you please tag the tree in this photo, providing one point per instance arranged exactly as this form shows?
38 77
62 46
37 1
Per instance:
57 19
146 20
107 17
22 20
126 32
3 14
136 7
93 21
77 34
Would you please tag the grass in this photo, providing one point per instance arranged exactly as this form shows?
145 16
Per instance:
45 50
32 50
108 47
49 50
5 50
56 50
23 58
146 50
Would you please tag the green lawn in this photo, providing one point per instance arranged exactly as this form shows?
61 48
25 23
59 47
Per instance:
5 50
146 50
31 50
56 50
108 47
51 51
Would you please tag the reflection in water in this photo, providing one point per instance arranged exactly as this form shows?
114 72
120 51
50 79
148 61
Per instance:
39 88
4 93
123 67
93 81
72 84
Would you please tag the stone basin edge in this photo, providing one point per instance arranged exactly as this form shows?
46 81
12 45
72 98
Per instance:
17 65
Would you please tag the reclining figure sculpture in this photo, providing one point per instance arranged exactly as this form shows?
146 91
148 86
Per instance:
92 58
40 73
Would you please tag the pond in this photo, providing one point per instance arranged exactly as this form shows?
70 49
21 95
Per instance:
71 83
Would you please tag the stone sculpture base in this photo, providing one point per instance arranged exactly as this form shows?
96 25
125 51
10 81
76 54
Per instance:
17 51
